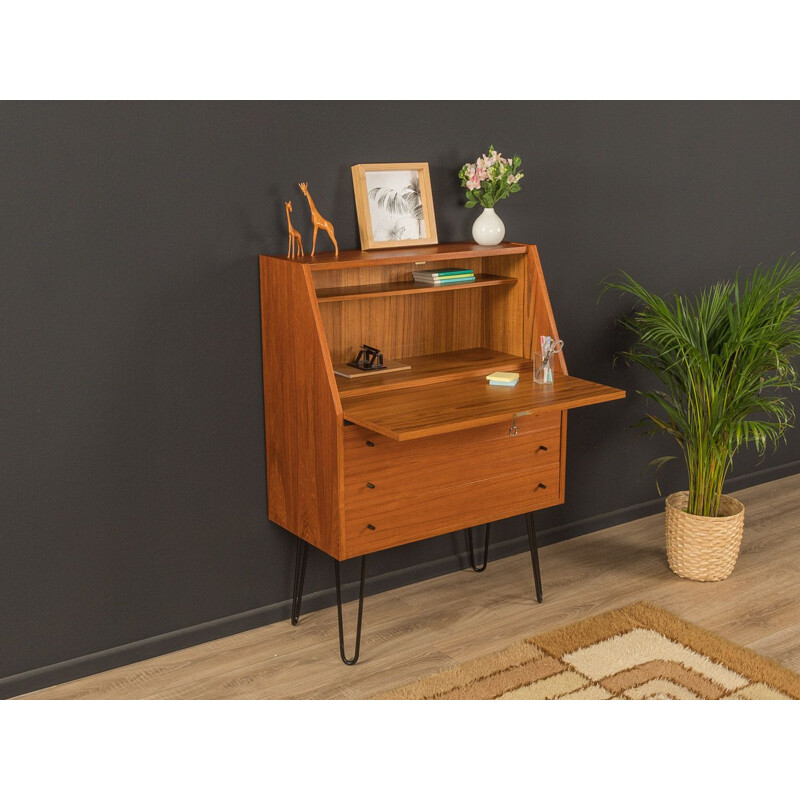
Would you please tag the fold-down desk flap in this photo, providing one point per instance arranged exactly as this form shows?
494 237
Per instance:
453 406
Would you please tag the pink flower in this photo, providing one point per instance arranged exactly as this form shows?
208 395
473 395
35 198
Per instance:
489 173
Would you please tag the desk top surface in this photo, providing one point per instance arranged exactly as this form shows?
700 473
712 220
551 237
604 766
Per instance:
414 413
404 255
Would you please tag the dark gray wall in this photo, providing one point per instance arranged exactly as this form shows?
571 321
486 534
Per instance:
132 480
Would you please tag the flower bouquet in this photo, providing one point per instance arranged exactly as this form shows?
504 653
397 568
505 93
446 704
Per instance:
490 179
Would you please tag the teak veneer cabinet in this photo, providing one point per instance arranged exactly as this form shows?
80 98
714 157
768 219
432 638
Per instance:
357 465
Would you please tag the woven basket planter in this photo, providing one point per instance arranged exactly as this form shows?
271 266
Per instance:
703 548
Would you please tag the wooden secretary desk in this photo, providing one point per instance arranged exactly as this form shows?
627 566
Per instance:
358 465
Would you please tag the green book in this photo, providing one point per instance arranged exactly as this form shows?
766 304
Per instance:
445 281
448 273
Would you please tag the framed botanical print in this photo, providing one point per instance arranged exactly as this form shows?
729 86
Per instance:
394 204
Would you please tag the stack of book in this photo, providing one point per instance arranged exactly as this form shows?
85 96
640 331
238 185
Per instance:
442 277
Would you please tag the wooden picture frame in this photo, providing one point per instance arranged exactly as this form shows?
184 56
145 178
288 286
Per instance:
394 204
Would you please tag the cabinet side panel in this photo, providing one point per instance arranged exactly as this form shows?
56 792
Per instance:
303 415
542 321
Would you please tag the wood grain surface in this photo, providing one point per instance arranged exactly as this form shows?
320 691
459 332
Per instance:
407 255
408 519
303 415
407 325
341 293
429 410
539 319
413 490
435 368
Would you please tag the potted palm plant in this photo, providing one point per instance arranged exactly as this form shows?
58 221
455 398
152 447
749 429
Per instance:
725 360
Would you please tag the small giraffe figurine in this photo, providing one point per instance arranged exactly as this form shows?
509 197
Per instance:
318 221
294 235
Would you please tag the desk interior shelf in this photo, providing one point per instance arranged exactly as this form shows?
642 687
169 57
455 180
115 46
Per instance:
434 368
339 293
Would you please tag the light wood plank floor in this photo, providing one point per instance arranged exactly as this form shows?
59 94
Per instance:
414 630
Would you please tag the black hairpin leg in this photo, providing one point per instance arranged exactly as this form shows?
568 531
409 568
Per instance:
350 661
537 578
485 549
301 556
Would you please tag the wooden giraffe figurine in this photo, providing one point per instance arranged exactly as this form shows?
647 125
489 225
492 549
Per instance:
294 235
318 221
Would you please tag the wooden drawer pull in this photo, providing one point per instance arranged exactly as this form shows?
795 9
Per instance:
370 485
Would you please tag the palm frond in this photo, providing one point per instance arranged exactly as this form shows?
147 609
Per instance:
390 200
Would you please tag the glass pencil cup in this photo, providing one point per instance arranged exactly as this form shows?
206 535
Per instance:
542 371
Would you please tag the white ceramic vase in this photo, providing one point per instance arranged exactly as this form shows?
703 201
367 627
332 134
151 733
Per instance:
488 228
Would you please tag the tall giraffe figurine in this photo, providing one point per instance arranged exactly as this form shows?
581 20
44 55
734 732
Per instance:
318 221
294 235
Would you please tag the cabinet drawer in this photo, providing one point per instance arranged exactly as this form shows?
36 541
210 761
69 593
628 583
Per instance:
410 517
386 470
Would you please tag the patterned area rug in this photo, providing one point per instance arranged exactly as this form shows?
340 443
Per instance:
639 652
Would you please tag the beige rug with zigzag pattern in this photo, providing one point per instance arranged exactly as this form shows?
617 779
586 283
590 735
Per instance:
639 652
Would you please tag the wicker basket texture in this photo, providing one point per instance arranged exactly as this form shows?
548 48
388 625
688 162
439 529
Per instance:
703 548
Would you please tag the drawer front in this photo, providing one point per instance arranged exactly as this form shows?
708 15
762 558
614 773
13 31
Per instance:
411 517
378 470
